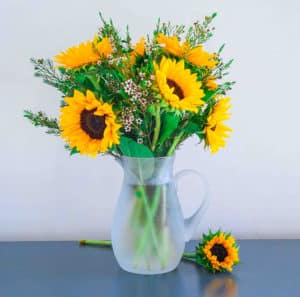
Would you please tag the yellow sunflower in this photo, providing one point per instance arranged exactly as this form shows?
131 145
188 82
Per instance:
210 83
196 55
85 53
218 252
199 57
171 44
178 85
215 130
88 125
138 50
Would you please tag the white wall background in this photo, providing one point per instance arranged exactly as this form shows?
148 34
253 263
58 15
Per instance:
46 195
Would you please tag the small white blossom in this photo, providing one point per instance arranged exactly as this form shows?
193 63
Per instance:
143 101
127 90
142 75
134 98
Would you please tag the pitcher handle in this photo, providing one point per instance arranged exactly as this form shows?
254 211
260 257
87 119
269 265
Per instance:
191 222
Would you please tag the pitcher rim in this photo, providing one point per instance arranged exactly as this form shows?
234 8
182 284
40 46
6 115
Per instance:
123 157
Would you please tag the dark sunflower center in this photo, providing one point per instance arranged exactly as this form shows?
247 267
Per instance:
219 251
214 127
93 125
177 90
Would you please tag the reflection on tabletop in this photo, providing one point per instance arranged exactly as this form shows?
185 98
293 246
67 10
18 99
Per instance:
186 278
220 287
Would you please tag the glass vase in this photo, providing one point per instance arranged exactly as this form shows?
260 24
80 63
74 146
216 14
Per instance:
149 231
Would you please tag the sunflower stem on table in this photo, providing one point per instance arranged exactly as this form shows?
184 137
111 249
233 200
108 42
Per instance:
96 242
189 256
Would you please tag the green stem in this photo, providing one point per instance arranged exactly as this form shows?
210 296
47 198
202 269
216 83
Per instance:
156 129
175 143
189 256
96 242
149 217
148 227
145 200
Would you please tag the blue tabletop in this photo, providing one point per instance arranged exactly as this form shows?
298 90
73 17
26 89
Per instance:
269 268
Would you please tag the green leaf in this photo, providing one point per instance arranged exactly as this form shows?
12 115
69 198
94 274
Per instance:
170 123
191 128
228 64
131 148
73 151
209 95
92 79
80 77
151 110
200 134
214 15
221 48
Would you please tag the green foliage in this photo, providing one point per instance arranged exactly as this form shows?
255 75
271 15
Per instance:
109 30
199 33
196 34
130 148
45 69
40 119
170 123
192 128
72 151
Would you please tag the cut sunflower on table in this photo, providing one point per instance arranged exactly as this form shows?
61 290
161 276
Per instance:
217 252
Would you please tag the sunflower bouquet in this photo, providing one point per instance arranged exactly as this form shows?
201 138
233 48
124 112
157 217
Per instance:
139 100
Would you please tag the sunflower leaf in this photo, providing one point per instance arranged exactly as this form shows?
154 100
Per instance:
170 123
131 148
74 151
192 128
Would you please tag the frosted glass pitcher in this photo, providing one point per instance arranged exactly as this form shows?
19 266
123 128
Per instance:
149 231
